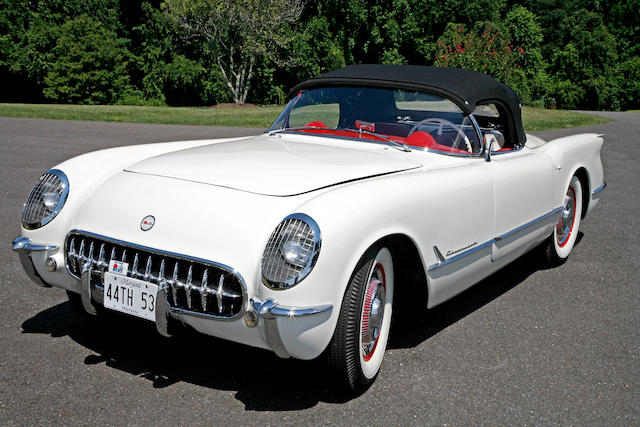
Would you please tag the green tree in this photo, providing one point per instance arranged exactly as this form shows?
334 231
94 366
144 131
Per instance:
239 32
316 50
586 62
90 64
154 50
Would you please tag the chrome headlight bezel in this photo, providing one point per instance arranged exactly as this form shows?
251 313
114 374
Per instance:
62 189
273 256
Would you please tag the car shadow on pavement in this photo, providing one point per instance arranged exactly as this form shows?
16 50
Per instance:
261 380
410 328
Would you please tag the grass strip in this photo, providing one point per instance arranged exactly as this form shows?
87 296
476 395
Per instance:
534 119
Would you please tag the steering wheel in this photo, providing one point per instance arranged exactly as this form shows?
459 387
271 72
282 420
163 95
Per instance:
442 123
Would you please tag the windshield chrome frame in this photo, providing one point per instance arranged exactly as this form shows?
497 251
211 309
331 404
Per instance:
386 141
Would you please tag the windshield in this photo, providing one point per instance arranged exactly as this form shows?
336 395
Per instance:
414 119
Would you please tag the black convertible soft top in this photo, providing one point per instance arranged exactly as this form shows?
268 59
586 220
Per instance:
466 88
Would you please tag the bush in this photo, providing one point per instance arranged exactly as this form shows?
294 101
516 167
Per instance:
488 51
90 65
184 82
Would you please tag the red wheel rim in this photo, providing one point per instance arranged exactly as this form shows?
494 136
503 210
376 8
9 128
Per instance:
564 228
373 311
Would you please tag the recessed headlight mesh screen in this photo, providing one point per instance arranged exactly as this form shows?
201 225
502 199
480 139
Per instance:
275 269
36 212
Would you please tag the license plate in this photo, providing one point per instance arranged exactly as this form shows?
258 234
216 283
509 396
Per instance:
129 295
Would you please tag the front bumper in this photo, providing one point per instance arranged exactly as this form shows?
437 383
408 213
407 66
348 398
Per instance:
598 191
24 247
278 326
269 311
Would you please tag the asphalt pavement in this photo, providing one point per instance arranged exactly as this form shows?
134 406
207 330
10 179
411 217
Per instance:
528 345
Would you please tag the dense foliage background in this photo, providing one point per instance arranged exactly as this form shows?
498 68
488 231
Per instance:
574 53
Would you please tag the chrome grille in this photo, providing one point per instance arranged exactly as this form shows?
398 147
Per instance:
195 286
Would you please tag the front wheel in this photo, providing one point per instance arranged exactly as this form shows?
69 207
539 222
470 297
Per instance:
561 241
360 339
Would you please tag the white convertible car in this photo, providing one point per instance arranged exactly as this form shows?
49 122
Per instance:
374 180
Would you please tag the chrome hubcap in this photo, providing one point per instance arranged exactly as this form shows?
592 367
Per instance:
565 224
373 313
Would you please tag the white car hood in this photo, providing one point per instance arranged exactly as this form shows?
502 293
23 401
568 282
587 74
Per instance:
276 166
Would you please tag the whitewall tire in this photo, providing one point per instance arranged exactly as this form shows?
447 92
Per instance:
360 339
564 236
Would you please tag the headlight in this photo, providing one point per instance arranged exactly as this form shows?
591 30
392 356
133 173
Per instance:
291 252
45 200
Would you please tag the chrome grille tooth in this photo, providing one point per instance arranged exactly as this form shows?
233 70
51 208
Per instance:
188 286
161 273
124 255
72 247
113 254
147 269
134 269
219 293
80 256
101 261
174 284
90 258
81 251
203 289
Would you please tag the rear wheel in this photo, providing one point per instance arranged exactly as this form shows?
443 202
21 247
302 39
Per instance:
559 245
360 339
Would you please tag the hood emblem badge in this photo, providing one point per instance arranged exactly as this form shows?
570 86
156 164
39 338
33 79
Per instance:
147 223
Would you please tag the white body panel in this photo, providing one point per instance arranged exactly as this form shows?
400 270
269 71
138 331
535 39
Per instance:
216 205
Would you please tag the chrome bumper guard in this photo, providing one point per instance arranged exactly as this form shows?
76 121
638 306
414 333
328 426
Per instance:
269 311
23 246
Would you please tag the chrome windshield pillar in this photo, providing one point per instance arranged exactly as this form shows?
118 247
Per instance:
476 127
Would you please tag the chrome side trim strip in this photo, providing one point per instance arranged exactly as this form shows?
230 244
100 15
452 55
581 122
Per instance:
600 188
461 255
492 241
530 223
